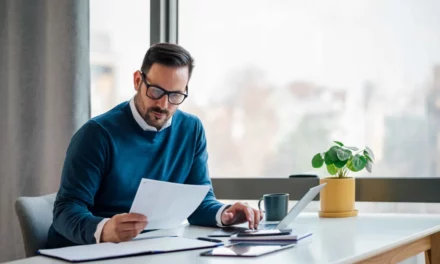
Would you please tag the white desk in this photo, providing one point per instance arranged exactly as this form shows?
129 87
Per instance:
367 238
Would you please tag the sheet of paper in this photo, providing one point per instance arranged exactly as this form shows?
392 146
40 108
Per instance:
166 204
110 250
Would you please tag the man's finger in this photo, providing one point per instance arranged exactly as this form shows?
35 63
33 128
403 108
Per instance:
127 226
128 235
249 216
133 217
261 215
256 218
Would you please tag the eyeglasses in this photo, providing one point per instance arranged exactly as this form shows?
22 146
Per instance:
155 92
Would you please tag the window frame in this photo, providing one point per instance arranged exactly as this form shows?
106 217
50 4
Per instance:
368 189
164 21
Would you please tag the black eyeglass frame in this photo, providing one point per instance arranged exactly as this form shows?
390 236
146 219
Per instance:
165 92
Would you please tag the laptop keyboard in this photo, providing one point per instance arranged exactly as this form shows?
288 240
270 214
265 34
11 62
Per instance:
267 226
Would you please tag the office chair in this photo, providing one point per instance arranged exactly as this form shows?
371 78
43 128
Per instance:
35 217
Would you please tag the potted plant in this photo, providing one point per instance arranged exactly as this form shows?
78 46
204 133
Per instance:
338 197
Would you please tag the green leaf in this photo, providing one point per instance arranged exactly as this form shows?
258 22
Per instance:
350 166
317 161
332 169
370 152
327 159
369 166
343 154
359 162
368 156
340 163
332 152
339 143
352 148
349 153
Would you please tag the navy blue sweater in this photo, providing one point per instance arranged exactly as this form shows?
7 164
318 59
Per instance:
105 162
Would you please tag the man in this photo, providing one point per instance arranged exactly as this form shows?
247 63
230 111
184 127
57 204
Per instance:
147 137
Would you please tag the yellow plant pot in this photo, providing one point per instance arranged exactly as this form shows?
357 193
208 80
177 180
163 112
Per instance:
337 197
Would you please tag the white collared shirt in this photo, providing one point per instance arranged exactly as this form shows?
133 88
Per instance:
146 127
142 123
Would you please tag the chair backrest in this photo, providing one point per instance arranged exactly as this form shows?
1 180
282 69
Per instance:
35 217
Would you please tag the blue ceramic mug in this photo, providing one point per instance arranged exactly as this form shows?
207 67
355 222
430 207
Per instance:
275 206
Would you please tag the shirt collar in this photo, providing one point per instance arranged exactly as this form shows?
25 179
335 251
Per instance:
141 122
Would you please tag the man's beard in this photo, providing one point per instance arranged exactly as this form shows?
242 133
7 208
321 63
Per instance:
153 120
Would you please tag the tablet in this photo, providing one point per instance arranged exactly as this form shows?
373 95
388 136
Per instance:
227 231
247 249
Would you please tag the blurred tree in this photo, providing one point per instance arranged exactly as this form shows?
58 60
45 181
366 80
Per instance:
297 149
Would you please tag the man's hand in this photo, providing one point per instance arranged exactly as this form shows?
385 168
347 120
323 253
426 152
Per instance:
241 212
123 227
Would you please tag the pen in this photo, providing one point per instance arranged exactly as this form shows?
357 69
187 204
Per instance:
210 239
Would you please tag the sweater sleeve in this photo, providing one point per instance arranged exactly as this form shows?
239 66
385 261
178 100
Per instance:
205 214
83 168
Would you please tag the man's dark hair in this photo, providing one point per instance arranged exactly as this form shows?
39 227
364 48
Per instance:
167 54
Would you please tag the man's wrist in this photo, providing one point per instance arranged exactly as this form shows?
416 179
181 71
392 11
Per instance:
99 229
220 214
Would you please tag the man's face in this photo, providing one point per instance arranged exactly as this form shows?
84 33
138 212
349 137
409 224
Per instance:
171 79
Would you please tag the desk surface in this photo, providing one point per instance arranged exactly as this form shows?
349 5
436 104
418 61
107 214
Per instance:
343 240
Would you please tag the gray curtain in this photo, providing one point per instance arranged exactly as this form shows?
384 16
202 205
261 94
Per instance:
44 99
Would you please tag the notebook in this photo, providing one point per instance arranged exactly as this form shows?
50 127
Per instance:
124 249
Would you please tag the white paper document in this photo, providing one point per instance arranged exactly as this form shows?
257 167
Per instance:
135 247
165 204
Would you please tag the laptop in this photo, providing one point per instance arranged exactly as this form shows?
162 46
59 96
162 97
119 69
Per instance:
294 212
283 224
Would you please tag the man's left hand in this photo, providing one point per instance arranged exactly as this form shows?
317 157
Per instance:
240 213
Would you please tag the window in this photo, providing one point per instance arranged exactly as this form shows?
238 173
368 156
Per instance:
119 38
276 81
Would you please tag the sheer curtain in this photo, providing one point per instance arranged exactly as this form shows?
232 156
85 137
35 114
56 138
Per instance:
44 98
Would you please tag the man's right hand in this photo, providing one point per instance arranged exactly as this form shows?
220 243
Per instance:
123 227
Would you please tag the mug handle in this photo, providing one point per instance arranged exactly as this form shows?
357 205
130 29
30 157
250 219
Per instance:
259 203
